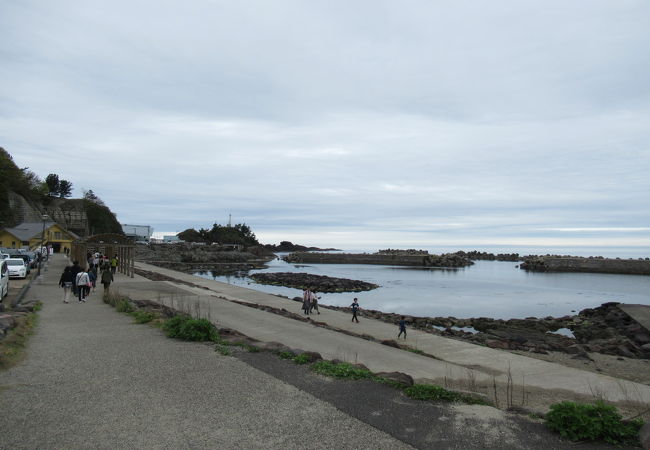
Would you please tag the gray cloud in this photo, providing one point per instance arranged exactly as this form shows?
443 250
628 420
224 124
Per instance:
372 122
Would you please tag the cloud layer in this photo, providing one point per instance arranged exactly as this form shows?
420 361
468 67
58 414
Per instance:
332 123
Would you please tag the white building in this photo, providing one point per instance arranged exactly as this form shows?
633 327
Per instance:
137 232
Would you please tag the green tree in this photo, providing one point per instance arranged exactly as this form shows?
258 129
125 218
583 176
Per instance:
65 189
53 183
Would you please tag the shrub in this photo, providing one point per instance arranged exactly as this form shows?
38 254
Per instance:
143 316
124 306
342 370
581 421
189 329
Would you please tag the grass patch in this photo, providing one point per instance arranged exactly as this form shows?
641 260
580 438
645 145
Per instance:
598 421
143 316
189 329
13 345
437 393
124 306
301 359
342 370
285 355
223 349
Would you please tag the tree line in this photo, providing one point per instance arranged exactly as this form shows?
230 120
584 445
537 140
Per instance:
222 234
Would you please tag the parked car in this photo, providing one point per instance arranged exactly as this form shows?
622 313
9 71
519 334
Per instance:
17 267
25 258
4 256
4 279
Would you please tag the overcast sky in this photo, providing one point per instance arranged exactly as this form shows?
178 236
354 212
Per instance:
357 124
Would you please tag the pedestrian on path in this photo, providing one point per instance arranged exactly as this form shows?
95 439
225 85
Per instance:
75 269
402 328
306 300
83 285
114 262
314 302
107 278
92 276
66 281
355 308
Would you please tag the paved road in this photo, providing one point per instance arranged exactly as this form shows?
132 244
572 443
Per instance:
93 379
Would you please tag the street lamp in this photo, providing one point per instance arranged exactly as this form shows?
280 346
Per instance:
40 260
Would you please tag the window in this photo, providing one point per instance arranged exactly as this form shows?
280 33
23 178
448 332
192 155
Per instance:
57 235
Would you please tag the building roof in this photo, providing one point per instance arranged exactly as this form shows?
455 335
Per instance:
29 230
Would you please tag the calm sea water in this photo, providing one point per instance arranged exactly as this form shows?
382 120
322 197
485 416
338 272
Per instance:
486 289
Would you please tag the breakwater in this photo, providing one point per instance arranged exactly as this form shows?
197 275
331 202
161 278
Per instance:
390 259
595 265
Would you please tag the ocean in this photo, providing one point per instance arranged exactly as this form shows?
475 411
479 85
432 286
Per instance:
487 289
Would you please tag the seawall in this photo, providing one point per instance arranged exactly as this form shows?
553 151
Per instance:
596 265
393 259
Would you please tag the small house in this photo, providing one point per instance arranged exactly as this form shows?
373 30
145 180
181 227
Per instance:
32 234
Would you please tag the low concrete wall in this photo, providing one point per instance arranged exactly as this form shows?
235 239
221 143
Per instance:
380 259
597 265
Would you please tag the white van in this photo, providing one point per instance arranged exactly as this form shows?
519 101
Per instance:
4 280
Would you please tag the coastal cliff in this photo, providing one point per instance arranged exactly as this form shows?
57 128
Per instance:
577 264
421 259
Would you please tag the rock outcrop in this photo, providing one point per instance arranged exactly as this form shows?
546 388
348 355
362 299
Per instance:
317 283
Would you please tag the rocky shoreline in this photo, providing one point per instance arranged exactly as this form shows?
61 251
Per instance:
318 283
605 329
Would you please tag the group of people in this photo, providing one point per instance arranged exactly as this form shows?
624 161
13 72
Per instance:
309 301
80 280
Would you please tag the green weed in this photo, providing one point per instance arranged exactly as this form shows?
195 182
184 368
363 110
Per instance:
189 329
223 349
598 421
437 393
285 355
124 306
301 359
143 316
342 370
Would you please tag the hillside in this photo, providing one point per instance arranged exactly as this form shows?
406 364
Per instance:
24 197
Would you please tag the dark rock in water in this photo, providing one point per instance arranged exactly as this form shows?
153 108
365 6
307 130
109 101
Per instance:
399 377
316 283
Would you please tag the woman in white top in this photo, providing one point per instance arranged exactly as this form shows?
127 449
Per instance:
82 285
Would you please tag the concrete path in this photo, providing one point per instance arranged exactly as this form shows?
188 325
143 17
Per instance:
93 379
640 313
458 361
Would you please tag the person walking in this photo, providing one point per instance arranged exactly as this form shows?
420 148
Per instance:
66 281
83 280
306 300
314 303
92 276
355 309
402 328
107 278
75 269
114 262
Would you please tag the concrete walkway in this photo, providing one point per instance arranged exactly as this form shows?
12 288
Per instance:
458 361
640 313
94 379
